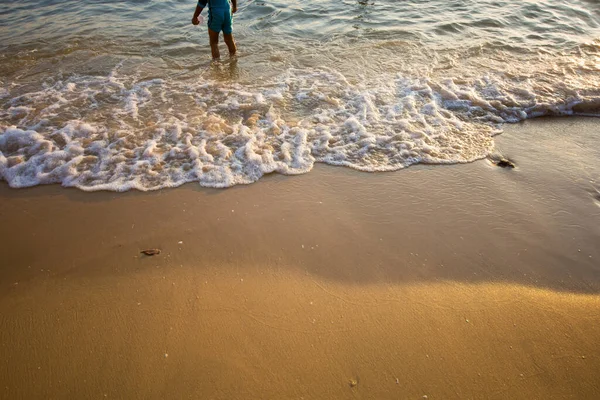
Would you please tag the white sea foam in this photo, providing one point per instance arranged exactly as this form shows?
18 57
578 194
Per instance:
117 133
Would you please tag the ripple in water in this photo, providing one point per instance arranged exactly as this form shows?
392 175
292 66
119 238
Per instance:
375 86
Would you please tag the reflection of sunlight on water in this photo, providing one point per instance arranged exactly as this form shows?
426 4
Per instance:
376 85
225 70
276 35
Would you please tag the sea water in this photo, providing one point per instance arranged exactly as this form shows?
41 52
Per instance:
119 95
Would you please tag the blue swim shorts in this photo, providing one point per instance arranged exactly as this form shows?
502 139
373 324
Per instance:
220 19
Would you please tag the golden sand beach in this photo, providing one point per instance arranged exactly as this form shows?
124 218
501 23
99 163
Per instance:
440 282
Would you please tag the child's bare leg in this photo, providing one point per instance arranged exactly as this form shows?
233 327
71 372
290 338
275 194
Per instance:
214 43
230 42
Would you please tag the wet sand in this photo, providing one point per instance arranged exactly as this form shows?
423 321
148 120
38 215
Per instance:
465 281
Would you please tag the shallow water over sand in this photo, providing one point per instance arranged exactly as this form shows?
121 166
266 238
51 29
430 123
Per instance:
121 95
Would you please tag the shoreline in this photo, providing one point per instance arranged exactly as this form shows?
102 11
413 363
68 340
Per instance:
460 281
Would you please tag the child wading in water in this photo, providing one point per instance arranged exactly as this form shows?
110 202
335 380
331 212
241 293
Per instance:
220 18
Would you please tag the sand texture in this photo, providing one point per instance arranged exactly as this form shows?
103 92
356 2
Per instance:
452 282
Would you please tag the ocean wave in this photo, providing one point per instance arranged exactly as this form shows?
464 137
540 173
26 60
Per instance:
119 132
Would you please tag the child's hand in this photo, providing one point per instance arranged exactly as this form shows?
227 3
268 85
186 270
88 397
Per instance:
233 9
195 21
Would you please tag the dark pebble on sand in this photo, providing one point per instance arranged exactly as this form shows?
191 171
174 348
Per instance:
505 164
151 252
